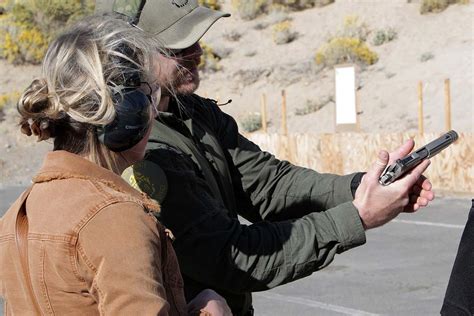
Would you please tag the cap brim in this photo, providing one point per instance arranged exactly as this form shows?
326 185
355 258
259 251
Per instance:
190 28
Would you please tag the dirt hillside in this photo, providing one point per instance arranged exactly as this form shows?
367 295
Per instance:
253 64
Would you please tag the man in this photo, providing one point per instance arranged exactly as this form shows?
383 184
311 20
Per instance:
204 173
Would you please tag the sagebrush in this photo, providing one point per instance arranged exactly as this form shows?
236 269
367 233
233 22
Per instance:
8 100
435 6
209 59
347 46
211 4
251 122
384 36
282 33
250 9
27 26
312 106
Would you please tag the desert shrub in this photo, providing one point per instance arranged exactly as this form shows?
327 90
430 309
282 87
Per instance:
209 59
249 52
28 26
252 122
343 50
260 26
354 27
348 45
426 56
222 52
322 3
8 100
232 35
313 106
384 36
277 15
435 6
302 4
25 45
211 4
282 33
249 9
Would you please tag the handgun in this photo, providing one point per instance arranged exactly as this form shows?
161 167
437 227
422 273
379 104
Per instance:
403 165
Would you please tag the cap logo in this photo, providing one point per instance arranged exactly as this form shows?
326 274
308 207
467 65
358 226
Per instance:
180 3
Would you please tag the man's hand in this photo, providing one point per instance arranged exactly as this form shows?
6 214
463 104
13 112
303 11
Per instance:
379 204
209 303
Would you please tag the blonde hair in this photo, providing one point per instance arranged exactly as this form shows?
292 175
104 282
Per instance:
82 70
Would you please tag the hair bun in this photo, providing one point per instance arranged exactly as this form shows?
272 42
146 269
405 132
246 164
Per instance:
36 110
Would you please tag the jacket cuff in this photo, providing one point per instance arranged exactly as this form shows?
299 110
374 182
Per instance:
349 228
356 180
344 187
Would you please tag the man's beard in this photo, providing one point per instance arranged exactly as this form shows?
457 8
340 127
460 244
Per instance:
187 77
182 84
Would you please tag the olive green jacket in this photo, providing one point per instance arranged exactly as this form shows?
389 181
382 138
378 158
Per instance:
300 218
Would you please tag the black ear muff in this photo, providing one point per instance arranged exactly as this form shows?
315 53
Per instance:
131 121
132 117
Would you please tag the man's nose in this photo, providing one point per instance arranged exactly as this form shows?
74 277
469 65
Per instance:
193 51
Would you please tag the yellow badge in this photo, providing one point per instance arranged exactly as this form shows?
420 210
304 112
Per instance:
147 177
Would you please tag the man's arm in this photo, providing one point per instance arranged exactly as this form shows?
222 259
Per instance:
217 250
277 189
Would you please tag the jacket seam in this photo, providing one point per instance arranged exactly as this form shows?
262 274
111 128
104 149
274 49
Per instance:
44 289
60 238
81 250
6 238
84 257
91 216
100 206
74 266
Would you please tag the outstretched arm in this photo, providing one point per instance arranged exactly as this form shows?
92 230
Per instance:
214 248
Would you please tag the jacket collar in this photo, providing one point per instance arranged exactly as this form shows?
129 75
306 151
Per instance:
61 164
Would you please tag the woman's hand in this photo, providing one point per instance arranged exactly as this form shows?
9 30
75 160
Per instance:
209 303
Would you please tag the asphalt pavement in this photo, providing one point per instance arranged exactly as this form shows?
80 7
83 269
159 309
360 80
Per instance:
403 269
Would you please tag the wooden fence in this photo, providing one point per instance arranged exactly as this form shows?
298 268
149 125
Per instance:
452 170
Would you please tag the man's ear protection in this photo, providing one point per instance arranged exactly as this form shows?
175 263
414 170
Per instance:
132 109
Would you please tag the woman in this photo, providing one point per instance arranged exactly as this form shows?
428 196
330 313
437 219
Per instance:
81 240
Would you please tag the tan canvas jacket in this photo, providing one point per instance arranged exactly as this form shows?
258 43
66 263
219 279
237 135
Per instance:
94 247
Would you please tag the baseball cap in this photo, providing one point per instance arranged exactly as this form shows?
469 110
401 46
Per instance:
178 24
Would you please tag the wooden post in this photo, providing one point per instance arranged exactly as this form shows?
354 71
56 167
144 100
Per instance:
263 112
357 125
284 128
420 108
447 105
